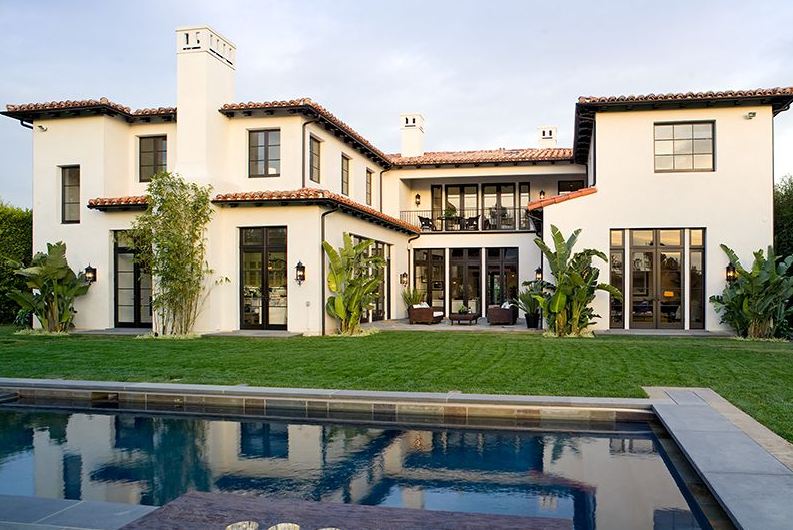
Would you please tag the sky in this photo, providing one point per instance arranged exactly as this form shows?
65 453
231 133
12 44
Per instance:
484 74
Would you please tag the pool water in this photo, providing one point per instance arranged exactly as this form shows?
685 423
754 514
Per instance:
615 477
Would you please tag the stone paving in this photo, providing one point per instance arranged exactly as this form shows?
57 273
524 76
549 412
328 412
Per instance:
39 513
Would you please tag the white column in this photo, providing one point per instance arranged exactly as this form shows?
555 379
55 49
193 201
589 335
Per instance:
446 292
686 278
626 280
483 302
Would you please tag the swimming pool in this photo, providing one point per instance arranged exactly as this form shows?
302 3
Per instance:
615 476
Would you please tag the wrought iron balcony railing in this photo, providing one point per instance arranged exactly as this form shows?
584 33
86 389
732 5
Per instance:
492 219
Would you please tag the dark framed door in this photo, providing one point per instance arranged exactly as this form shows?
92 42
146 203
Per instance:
498 206
430 275
656 279
263 278
465 279
502 275
131 285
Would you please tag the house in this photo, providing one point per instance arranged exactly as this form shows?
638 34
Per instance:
657 182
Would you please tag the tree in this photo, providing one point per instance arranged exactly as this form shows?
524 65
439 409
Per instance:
53 288
170 243
354 279
16 247
566 303
783 216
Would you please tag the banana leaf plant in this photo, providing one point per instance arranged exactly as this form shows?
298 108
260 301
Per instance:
53 288
756 304
354 278
566 303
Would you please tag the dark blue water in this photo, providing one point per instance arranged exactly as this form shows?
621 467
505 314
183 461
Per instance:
610 479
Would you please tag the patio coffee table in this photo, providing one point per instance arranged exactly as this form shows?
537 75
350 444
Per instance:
471 318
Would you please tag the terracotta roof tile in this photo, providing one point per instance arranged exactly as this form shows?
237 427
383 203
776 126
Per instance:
84 104
485 156
100 202
536 205
313 194
688 96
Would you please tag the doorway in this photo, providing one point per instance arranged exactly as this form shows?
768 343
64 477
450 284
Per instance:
132 286
656 260
465 279
263 282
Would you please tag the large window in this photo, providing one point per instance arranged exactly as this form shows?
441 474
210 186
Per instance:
462 208
498 201
696 283
369 187
430 274
502 275
313 148
617 264
152 156
264 153
684 146
465 278
70 194
345 175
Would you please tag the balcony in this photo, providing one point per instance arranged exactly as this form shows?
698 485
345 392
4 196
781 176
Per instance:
492 219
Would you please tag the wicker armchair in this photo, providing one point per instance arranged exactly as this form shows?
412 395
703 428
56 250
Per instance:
424 315
497 315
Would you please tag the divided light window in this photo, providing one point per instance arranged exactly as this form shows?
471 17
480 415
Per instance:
684 146
313 151
70 194
369 187
264 153
345 175
152 153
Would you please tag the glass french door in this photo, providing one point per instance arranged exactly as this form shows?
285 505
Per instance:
430 275
263 278
657 279
498 206
502 275
465 278
132 286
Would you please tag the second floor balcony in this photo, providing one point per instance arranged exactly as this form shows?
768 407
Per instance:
487 219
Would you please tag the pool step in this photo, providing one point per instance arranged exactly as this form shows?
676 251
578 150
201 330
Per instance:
6 397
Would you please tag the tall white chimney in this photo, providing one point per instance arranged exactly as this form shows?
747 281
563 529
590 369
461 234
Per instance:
205 63
547 136
412 134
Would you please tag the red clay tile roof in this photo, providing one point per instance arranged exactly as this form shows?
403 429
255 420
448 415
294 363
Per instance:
307 103
311 195
536 205
689 96
485 156
116 202
86 104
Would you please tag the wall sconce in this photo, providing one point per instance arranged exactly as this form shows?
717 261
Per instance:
730 274
418 199
538 274
542 194
403 279
90 274
300 273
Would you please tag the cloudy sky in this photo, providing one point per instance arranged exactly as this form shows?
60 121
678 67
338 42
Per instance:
484 74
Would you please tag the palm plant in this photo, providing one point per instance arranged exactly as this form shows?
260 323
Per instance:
412 297
354 279
566 303
755 305
53 288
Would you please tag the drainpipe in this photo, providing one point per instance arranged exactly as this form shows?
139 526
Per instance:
26 125
304 150
381 190
322 264
408 251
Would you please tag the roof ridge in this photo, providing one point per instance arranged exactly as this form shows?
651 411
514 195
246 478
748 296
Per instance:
704 94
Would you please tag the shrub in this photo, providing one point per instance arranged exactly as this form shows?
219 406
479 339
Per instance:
16 247
755 304
783 216
53 287
411 297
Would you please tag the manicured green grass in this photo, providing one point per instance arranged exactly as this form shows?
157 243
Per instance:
756 376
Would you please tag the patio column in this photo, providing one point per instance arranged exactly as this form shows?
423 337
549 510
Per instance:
447 302
483 281
684 292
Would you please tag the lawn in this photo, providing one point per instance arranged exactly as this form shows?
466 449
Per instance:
756 376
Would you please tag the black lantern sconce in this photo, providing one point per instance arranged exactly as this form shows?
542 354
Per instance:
418 199
403 279
300 273
730 274
542 194
90 274
538 274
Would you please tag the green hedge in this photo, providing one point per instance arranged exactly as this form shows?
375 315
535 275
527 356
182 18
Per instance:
16 243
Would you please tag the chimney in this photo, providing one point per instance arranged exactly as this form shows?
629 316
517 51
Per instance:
547 136
412 134
205 63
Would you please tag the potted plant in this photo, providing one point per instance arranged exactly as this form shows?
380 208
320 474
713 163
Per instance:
463 310
528 303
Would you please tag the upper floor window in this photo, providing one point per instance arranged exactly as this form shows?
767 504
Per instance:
345 175
264 153
70 194
369 187
684 146
313 150
152 153
568 186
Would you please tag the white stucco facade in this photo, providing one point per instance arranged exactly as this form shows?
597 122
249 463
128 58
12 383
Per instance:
504 206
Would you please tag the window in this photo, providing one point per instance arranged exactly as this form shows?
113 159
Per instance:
369 187
313 149
345 175
264 153
152 156
617 264
70 194
696 284
684 146
568 186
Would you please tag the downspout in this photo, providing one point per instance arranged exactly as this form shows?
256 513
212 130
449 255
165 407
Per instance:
381 190
26 125
322 264
408 251
304 150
